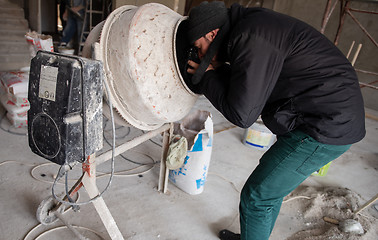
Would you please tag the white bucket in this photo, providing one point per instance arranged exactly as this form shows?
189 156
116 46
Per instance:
259 136
67 51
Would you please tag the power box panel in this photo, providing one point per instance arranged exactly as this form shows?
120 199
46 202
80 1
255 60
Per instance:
65 116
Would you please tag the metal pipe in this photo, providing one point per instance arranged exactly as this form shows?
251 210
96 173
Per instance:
368 85
366 204
107 219
362 27
350 49
170 136
163 176
130 144
367 72
176 5
362 11
356 54
327 14
341 20
162 162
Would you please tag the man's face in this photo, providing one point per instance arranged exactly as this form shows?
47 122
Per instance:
203 45
204 42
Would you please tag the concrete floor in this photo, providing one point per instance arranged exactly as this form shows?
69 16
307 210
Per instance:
141 212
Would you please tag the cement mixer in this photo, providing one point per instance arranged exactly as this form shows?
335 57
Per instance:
140 48
138 53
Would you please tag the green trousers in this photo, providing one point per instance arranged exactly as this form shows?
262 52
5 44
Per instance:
293 158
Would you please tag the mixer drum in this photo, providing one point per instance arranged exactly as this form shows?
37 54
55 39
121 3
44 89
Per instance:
139 50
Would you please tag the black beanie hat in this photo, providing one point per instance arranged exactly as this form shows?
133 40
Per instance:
205 18
202 20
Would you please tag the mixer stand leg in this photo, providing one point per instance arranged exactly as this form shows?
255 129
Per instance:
88 179
89 182
164 171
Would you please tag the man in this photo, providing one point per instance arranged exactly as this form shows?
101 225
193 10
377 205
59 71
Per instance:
74 16
306 91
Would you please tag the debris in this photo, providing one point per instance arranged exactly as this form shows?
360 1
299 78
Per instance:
351 226
339 205
347 226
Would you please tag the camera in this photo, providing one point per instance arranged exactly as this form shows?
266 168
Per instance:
192 54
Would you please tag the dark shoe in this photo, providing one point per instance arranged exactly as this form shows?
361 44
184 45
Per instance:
228 235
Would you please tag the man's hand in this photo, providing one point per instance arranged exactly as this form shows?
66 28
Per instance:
65 15
195 65
193 68
77 9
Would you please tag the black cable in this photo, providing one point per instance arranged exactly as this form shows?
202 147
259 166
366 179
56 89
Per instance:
123 137
158 144
74 207
120 127
138 163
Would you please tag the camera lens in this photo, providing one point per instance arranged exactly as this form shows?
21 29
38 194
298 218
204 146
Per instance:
193 54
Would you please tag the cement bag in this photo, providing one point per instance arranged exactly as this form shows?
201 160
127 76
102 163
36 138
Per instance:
17 120
12 108
191 176
14 82
17 115
19 99
38 42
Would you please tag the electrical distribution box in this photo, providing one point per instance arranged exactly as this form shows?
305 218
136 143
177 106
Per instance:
65 116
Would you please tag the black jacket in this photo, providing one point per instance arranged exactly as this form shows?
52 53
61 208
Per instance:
289 73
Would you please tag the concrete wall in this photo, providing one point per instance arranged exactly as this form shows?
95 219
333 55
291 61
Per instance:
20 3
311 12
42 15
35 22
50 16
